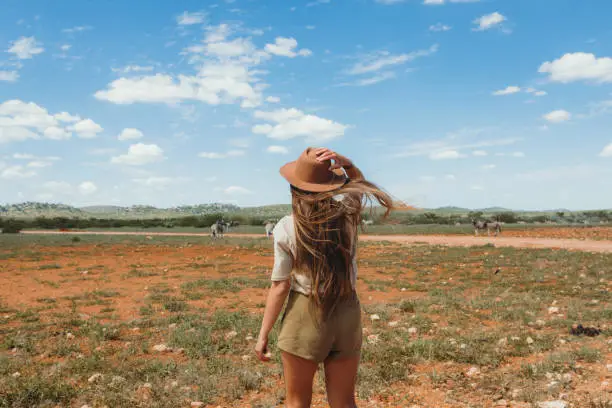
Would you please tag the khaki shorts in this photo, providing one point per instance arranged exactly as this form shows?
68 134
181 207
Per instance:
338 337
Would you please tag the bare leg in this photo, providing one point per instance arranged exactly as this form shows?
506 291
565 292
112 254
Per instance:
299 374
340 378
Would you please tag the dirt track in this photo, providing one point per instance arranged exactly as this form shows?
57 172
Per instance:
568 244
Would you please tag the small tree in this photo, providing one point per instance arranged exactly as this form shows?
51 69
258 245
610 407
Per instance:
12 226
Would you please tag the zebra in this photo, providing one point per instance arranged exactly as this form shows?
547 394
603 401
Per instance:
218 228
487 225
270 229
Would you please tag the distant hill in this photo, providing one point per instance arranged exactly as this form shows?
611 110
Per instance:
35 209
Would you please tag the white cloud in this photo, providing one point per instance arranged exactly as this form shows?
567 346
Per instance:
87 188
188 18
579 66
390 2
383 76
292 123
477 188
134 68
25 48
439 27
214 155
39 164
65 47
130 134
17 172
237 190
57 133
140 154
517 154
558 116
446 155
489 166
76 29
480 153
310 27
277 149
607 151
383 59
9 76
540 93
273 99
507 91
66 117
87 129
155 182
489 21
20 121
285 47
450 177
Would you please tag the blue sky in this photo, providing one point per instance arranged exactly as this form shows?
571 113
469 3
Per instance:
441 102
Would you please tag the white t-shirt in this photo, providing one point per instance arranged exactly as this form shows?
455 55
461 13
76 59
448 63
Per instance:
284 255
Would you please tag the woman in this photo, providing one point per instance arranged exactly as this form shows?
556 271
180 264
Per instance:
315 266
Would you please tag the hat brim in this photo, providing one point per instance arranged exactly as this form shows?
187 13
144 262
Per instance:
338 180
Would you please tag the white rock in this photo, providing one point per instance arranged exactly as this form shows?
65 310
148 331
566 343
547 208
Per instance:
95 378
473 371
501 403
374 317
553 310
403 289
16 374
609 368
117 379
196 404
147 385
552 404
84 272
605 385
172 326
373 338
540 323
582 275
174 384
69 336
231 335
502 342
515 338
529 340
161 348
463 346
248 338
85 406
393 324
567 377
413 330
246 357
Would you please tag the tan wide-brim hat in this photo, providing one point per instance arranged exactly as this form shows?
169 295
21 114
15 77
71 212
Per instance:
309 174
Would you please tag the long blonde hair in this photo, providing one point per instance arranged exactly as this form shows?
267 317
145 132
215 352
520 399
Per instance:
326 235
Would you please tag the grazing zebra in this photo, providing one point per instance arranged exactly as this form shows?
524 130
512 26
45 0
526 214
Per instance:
486 225
218 228
270 229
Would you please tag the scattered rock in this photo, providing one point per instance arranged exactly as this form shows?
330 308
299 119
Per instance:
552 404
162 348
373 338
85 406
501 403
246 357
463 346
393 324
540 323
95 378
413 330
69 336
196 404
553 310
515 338
403 289
231 335
84 272
174 384
605 385
117 380
609 368
374 317
172 326
248 338
502 342
16 374
147 385
529 340
472 372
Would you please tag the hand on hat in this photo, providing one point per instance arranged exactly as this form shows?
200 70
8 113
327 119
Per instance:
339 161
